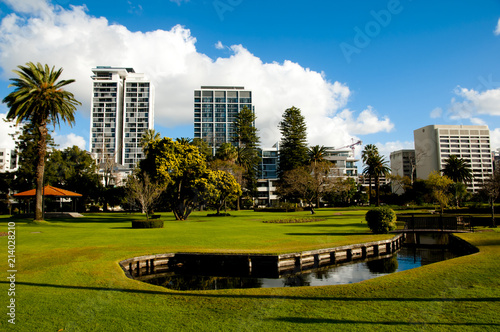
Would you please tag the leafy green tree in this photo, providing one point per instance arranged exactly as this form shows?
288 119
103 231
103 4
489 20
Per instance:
343 192
293 146
491 187
222 188
26 145
74 169
205 150
440 185
381 220
40 99
182 169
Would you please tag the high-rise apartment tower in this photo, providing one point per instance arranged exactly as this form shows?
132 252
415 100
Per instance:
215 109
122 110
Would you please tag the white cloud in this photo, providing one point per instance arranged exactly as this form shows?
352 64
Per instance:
436 113
385 149
495 139
219 45
497 30
477 121
7 129
471 103
367 122
66 141
76 41
39 7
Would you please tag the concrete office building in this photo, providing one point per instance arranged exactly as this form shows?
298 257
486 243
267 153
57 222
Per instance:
435 143
402 164
122 110
8 160
215 110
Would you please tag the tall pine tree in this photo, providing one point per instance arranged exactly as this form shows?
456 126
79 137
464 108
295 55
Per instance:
293 147
247 142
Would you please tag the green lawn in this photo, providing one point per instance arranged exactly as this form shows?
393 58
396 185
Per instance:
68 279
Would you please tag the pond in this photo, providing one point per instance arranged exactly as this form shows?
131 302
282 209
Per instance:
406 258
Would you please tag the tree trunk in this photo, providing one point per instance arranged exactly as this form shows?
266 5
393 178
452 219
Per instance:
369 190
42 150
493 223
377 190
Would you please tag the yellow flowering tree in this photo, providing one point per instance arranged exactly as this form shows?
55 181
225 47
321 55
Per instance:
222 188
440 187
182 169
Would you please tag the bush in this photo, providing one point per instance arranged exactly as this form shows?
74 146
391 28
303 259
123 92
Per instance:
151 223
94 208
381 220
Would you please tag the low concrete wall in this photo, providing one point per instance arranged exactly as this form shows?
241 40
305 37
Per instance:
271 266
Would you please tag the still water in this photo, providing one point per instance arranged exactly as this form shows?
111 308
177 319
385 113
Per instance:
405 259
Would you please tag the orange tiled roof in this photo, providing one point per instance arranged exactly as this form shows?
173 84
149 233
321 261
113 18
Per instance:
49 191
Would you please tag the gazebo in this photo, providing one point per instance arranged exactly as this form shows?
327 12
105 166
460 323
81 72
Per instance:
49 191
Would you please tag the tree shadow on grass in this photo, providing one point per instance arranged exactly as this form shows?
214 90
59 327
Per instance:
312 225
249 296
304 320
357 229
331 233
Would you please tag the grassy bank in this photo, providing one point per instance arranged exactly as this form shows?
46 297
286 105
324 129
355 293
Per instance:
68 279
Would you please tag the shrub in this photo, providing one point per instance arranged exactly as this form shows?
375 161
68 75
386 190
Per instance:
151 223
381 220
94 208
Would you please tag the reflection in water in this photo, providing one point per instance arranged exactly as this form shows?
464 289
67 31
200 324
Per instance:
406 258
384 265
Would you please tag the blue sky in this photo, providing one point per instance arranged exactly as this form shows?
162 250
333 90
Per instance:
369 70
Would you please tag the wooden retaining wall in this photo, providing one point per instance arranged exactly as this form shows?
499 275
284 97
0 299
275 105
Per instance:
272 266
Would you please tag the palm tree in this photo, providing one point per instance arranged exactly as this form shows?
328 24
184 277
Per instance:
368 152
149 136
380 168
458 170
183 140
38 98
317 154
227 152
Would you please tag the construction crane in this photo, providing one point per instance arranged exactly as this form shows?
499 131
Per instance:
351 146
